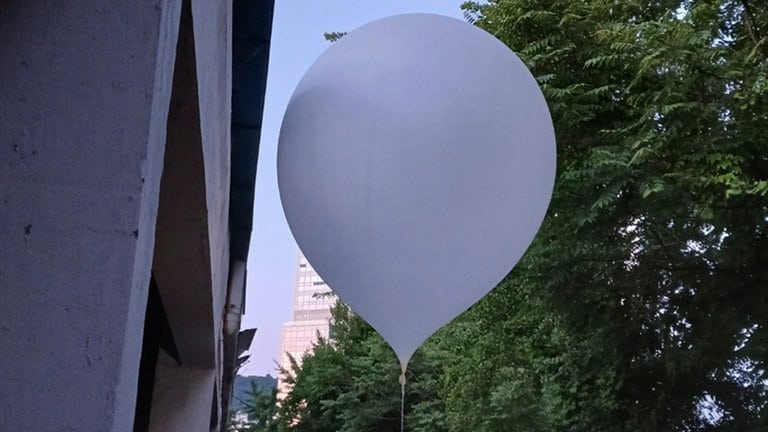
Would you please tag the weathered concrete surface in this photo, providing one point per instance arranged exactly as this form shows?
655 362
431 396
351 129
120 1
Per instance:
182 266
182 397
84 91
212 22
213 50
192 252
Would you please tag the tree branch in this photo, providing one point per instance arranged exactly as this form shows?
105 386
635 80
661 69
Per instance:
754 30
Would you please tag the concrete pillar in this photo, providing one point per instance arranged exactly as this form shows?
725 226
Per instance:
182 397
182 266
191 258
84 93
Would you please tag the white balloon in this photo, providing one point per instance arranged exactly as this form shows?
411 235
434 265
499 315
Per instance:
416 162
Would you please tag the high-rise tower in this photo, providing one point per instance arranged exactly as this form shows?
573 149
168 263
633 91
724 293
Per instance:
312 302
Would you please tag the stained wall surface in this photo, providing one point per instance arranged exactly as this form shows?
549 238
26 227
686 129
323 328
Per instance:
85 96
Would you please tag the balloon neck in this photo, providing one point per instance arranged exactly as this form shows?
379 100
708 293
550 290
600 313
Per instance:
402 378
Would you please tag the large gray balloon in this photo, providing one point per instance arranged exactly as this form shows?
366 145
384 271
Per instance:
416 162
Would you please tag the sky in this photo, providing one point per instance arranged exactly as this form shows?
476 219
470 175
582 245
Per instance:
297 40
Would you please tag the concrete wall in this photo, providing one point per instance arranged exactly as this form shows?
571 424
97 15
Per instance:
182 259
182 399
212 23
114 162
84 93
194 212
191 261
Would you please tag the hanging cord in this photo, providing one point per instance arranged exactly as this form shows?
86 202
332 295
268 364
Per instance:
402 401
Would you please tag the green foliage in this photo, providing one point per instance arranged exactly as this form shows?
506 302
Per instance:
244 384
651 255
643 303
333 36
348 384
260 406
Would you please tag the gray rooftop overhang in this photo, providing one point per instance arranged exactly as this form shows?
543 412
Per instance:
251 31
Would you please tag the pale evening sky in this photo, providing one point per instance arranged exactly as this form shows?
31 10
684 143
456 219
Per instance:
297 40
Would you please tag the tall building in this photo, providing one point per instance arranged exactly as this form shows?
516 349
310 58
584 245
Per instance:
312 302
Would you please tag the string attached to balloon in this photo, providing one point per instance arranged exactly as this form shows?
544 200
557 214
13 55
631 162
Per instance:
402 401
416 162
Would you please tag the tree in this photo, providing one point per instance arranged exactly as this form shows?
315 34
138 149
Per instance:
260 407
651 256
350 384
347 384
333 36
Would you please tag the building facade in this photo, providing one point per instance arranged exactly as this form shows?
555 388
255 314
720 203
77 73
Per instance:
129 133
312 303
